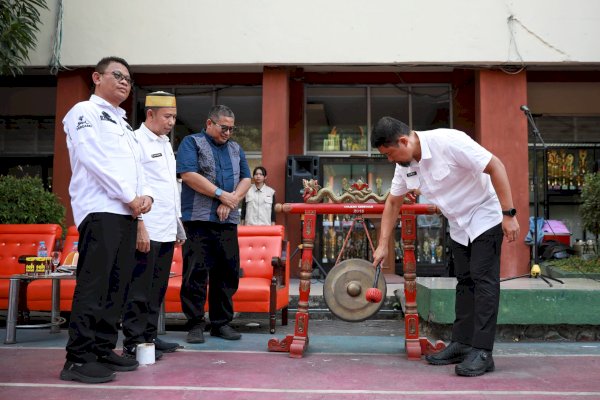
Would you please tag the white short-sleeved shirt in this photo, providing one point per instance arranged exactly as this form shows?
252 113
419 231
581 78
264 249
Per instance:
105 159
259 205
450 174
159 169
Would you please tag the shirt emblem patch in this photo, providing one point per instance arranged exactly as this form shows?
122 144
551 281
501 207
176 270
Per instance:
82 123
106 117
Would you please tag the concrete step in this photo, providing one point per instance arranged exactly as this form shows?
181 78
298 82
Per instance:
529 308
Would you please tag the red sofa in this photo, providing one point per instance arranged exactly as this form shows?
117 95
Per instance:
18 240
264 285
263 288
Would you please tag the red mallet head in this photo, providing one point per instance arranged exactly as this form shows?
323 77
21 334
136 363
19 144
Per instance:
373 295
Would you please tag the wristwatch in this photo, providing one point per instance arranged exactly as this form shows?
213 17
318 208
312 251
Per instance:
218 192
511 212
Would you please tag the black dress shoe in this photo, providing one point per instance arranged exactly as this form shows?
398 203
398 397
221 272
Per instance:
92 372
453 353
118 363
196 334
165 347
478 362
226 332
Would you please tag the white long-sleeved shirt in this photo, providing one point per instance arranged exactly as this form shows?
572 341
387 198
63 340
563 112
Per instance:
105 159
450 174
158 161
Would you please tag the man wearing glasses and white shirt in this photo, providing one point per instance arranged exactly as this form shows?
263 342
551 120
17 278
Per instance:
108 194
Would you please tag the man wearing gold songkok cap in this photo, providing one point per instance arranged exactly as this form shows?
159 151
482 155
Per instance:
159 231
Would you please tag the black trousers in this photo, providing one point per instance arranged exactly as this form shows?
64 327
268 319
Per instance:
210 255
477 268
146 293
106 260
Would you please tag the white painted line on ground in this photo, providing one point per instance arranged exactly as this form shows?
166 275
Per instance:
444 393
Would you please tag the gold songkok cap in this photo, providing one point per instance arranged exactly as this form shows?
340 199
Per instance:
160 99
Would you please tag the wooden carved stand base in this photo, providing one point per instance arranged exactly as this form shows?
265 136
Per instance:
296 344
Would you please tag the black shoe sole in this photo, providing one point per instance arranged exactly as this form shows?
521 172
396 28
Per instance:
120 368
448 361
195 340
170 349
74 376
466 372
226 337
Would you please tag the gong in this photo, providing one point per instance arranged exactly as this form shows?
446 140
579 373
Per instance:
346 286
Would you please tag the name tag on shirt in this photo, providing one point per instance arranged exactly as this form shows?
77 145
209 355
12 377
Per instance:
412 180
156 155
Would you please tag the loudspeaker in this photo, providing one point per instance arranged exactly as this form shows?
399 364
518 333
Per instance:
298 168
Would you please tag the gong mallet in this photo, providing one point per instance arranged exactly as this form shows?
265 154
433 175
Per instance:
373 294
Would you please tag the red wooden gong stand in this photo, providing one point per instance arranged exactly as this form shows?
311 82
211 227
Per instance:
297 343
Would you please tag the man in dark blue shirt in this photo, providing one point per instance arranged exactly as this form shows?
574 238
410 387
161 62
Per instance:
215 178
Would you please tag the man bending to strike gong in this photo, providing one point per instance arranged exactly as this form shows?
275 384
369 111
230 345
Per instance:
471 188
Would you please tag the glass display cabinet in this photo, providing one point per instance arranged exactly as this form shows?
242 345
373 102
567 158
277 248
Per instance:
337 174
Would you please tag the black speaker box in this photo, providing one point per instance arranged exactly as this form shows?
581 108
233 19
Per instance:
298 168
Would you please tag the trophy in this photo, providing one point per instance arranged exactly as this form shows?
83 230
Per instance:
426 247
325 240
569 168
563 169
582 168
331 240
432 246
553 170
439 252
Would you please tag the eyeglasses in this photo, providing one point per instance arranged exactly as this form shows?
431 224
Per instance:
225 128
119 77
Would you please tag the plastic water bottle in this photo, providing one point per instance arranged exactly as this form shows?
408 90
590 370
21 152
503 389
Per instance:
42 250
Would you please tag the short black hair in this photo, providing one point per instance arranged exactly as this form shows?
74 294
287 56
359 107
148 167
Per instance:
103 64
218 111
262 169
387 131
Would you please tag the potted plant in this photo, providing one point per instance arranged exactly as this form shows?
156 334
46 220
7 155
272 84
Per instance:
589 264
590 206
25 201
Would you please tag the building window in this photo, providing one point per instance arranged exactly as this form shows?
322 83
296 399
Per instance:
568 129
336 119
194 103
339 118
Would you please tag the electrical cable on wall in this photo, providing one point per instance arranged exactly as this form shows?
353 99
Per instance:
55 64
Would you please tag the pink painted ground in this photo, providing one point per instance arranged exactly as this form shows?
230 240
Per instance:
27 373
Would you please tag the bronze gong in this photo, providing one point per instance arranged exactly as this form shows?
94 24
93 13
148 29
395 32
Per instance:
346 286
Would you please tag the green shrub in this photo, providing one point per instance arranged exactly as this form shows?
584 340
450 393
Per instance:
590 205
24 201
577 264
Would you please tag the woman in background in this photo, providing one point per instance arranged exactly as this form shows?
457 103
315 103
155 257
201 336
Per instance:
258 207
